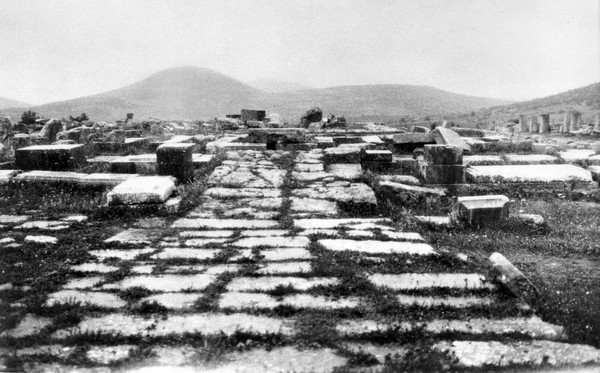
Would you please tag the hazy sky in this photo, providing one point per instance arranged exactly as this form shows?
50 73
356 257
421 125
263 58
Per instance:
55 50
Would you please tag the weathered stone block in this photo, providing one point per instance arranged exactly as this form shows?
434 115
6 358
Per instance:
481 210
342 155
144 164
377 156
104 179
413 138
175 159
444 174
445 136
324 142
443 155
143 189
49 177
50 157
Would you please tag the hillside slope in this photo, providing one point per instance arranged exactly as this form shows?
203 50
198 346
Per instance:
188 93
582 99
8 103
276 86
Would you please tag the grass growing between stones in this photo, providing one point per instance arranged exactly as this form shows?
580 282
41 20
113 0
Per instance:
561 259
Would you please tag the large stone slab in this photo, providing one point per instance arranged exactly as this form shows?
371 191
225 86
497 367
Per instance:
224 224
143 189
353 193
250 242
239 300
413 281
254 284
243 193
530 159
576 155
105 179
50 157
528 173
413 138
206 324
93 298
482 160
337 223
164 283
479 354
446 136
50 177
378 247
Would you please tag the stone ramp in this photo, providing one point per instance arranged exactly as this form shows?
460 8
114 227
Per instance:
247 282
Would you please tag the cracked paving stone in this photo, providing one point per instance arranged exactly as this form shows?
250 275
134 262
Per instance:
201 254
238 300
272 242
410 281
378 247
121 254
93 298
270 283
166 283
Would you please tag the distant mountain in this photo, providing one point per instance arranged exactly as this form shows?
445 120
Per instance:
276 86
583 99
8 103
178 93
392 100
188 93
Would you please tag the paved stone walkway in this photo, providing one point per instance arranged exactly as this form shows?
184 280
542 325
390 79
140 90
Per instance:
264 276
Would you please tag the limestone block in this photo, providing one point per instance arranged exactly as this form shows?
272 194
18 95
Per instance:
444 174
49 177
143 189
105 179
544 173
384 156
175 159
342 155
50 157
144 164
413 138
443 155
446 136
481 210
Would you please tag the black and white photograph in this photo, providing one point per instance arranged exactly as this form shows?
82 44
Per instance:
309 186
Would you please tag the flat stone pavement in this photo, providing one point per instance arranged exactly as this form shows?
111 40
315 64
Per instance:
264 276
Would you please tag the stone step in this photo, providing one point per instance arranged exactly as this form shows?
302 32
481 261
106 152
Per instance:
544 173
378 247
414 281
155 326
254 284
532 327
531 354
186 223
239 301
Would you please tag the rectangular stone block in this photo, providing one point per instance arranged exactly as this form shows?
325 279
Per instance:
49 177
444 174
101 179
144 164
50 157
143 189
342 155
446 136
482 210
541 173
443 155
413 138
377 156
175 159
324 142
